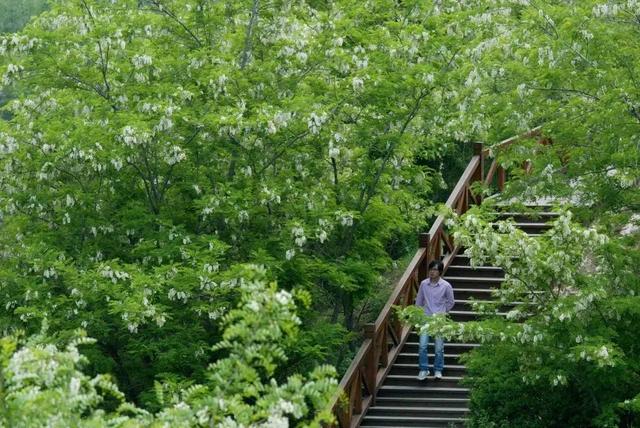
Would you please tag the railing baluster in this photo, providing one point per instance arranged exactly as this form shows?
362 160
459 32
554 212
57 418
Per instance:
356 393
424 240
371 363
384 347
502 176
479 174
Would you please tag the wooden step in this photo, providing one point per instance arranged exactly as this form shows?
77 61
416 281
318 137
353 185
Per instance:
412 357
474 282
452 347
425 391
462 260
542 216
481 271
528 206
462 316
411 421
422 401
412 380
411 369
467 304
533 227
418 411
473 293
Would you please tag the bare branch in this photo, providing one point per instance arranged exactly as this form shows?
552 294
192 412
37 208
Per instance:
368 191
567 90
246 52
163 9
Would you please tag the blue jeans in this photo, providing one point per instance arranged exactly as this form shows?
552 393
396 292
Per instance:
423 358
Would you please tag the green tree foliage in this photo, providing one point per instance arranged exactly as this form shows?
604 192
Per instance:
571 67
42 385
155 145
572 331
152 145
15 14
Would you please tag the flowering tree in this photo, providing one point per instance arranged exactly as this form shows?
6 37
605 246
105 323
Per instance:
43 385
571 67
153 144
568 330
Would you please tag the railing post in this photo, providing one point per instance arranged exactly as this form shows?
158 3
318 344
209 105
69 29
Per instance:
424 240
371 367
478 150
502 176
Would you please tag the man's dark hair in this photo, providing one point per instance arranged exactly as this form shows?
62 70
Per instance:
438 265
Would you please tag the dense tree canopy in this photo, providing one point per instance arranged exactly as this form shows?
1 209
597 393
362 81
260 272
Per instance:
153 147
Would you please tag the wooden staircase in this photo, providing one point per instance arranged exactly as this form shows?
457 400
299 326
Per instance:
403 400
380 387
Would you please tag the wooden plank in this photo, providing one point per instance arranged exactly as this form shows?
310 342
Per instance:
449 258
447 240
502 177
355 394
532 133
393 354
492 170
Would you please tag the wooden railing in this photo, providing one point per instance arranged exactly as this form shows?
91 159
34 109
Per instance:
384 338
496 171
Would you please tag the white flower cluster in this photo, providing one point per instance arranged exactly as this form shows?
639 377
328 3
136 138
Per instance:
140 61
8 144
132 137
211 206
334 152
299 237
174 155
280 120
16 43
611 9
357 83
546 55
219 86
315 122
12 70
243 216
269 196
50 272
114 275
174 295
345 219
164 124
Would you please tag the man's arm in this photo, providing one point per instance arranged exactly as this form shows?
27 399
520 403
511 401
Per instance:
449 297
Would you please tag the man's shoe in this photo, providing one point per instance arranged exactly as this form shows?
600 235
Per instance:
423 374
438 375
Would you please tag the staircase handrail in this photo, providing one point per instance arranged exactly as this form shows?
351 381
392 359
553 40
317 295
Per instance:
384 338
496 168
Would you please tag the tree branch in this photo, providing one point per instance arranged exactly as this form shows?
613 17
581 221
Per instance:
368 191
163 9
567 90
244 58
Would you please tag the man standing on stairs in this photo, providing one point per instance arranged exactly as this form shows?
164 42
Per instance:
435 296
